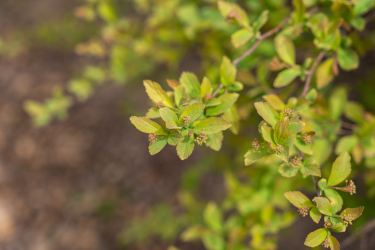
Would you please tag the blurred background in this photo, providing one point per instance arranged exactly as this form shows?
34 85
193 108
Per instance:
74 173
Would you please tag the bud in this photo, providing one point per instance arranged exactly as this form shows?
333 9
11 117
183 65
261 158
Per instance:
325 244
303 210
255 144
186 118
289 112
307 139
296 161
152 137
201 138
159 105
279 149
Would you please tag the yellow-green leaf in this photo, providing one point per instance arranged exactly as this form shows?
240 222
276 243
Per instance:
324 73
282 131
341 168
333 243
274 101
145 125
213 217
348 59
316 238
185 147
193 112
226 101
157 146
241 37
212 125
268 113
315 215
206 87
168 115
227 72
285 77
324 206
191 83
285 49
156 93
298 199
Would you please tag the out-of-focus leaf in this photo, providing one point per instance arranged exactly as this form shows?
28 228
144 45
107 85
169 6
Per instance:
231 115
337 102
285 77
213 217
227 72
348 59
346 143
241 37
253 155
324 73
285 49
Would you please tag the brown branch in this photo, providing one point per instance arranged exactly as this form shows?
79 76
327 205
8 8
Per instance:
217 90
259 41
368 227
347 125
311 72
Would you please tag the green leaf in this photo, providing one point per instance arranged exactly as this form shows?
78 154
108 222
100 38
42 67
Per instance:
301 145
337 102
192 233
298 199
168 115
241 37
231 115
266 132
322 149
282 131
285 77
232 10
212 102
338 228
191 83
185 147
285 49
354 112
213 241
253 155
358 23
346 143
316 238
261 20
227 72
107 12
214 141
235 87
157 146
172 125
274 101
193 112
213 217
284 155
311 169
268 113
324 73
153 113
363 6
311 95
348 59
324 206
299 11
206 87
333 243
335 198
315 215
227 100
156 93
180 94
296 127
145 125
212 125
287 170
174 138
341 168
354 212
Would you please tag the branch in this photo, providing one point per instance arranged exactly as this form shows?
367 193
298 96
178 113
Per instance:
368 227
311 72
259 41
217 90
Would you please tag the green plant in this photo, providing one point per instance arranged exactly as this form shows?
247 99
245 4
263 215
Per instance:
297 135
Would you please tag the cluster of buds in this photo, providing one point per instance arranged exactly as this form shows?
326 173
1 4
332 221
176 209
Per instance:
304 211
279 149
351 187
307 139
348 218
201 138
328 224
152 137
289 112
255 144
296 161
325 244
186 118
159 105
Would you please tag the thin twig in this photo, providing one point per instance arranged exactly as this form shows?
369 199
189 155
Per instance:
368 227
217 90
347 125
344 132
259 41
311 73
